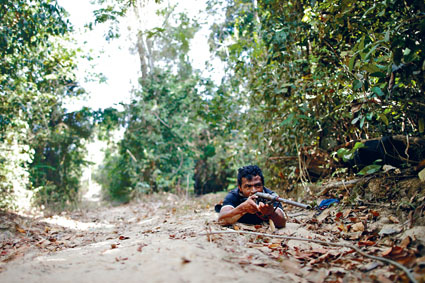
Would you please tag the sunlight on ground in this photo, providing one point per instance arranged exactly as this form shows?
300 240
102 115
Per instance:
48 259
73 224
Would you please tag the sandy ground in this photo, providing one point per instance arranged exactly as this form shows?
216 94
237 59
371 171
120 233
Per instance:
135 243
159 241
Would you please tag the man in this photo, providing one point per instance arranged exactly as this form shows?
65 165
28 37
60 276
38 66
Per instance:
239 204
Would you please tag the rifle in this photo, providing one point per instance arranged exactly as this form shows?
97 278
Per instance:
268 198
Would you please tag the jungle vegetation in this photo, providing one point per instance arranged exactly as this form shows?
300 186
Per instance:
301 78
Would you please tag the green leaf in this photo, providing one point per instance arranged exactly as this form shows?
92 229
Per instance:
358 145
378 74
357 85
370 169
371 68
387 36
369 116
362 122
361 45
342 151
351 62
354 121
384 119
348 156
421 125
377 91
370 52
288 120
345 154
406 51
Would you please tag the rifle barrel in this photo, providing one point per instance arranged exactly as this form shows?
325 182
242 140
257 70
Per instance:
287 201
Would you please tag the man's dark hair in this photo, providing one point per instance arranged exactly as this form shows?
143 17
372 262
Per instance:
248 172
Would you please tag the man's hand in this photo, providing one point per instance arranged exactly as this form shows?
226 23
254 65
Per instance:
249 206
265 209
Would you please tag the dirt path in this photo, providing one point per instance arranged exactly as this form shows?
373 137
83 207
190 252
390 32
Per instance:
159 241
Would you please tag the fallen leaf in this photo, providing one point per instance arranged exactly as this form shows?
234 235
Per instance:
274 246
366 243
271 225
355 235
393 219
421 261
354 219
387 251
358 227
323 215
185 260
20 230
342 228
406 242
393 251
259 263
406 259
121 259
381 278
113 246
346 213
374 213
370 266
421 175
390 229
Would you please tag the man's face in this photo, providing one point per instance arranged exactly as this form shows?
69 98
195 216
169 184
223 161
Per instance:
250 187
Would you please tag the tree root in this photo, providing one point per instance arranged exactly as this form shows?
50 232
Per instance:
400 266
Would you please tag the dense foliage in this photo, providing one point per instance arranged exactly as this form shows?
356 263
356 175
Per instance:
37 72
318 74
301 79
165 134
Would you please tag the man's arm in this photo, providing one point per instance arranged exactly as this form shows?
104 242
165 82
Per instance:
276 215
229 214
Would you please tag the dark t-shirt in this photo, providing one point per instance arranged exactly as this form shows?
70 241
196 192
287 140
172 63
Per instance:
235 198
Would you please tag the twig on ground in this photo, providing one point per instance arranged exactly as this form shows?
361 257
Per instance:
402 267
346 184
296 214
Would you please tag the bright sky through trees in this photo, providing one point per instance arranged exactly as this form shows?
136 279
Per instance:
111 59
115 59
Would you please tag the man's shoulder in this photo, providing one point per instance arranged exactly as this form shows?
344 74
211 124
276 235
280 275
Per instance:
232 198
233 193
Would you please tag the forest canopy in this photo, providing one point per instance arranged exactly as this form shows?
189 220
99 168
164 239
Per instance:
302 80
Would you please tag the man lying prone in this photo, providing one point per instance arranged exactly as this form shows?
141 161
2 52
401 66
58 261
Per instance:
240 204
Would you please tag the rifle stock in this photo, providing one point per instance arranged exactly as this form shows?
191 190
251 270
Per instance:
282 200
